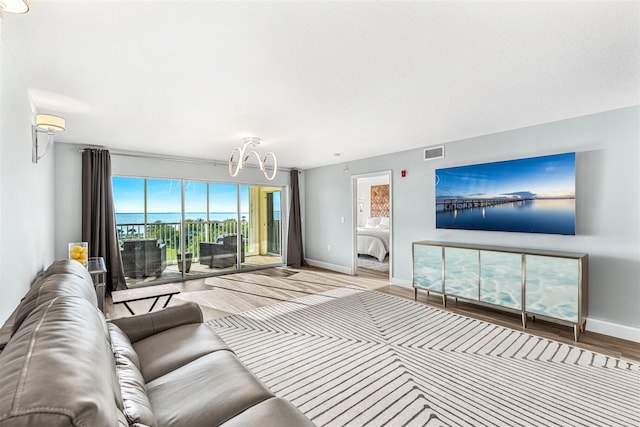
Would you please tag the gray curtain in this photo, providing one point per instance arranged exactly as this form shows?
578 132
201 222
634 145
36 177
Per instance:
295 255
98 215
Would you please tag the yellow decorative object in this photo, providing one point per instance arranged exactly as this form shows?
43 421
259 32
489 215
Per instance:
79 251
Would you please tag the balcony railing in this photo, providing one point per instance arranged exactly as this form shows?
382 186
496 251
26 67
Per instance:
169 234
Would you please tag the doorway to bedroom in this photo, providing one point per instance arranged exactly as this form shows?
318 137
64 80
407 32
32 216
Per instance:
373 224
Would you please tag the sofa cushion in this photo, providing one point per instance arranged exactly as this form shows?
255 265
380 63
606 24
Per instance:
121 345
122 420
175 347
57 369
275 412
205 392
68 266
65 278
136 406
135 403
62 266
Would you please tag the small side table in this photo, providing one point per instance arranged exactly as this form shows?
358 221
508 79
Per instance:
98 271
138 294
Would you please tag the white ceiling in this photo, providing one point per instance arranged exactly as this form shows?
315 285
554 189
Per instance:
314 78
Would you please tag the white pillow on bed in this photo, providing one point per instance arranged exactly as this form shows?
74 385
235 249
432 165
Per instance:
372 222
384 223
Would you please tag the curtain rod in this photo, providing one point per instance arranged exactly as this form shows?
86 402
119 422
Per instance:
140 155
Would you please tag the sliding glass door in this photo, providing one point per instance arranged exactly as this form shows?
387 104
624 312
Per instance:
274 230
174 229
220 252
149 227
264 230
196 223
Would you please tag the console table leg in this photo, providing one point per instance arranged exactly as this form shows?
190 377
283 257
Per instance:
524 320
576 332
444 300
415 294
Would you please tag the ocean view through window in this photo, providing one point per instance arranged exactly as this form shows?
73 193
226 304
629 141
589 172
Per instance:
157 244
138 217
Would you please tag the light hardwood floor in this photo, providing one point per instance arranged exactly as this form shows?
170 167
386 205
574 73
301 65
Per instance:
234 293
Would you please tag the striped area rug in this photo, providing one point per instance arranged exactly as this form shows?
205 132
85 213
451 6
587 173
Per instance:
353 357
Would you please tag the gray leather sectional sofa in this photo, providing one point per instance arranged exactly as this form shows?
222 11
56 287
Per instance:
62 364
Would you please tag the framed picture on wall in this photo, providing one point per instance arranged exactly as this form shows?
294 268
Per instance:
533 195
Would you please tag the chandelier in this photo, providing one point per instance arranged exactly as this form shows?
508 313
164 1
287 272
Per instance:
241 155
14 6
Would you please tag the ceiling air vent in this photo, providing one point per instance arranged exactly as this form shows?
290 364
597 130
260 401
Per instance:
432 153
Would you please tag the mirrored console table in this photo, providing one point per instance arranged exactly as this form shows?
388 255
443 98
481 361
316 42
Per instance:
551 285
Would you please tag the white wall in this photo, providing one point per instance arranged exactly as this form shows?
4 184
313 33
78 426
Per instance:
68 202
26 192
607 192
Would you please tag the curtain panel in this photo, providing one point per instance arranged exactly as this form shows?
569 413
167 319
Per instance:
98 215
295 255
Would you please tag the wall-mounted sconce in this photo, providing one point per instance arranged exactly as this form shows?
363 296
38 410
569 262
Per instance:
14 6
46 124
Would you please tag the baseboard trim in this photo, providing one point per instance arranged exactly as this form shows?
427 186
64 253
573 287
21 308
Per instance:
402 282
624 332
327 266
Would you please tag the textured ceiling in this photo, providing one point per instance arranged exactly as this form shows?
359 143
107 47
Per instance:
315 78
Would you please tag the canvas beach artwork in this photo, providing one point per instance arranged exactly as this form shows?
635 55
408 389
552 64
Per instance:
532 195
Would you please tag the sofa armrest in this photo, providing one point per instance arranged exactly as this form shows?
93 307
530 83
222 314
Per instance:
144 325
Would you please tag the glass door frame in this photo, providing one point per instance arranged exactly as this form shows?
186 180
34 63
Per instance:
239 267
257 210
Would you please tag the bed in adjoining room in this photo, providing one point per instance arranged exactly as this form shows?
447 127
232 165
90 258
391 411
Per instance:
373 238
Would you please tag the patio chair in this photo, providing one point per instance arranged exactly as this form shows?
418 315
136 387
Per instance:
221 254
143 258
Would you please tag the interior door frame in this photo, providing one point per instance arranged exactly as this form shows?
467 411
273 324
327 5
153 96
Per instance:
354 218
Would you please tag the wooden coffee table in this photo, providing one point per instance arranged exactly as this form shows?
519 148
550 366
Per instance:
148 292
